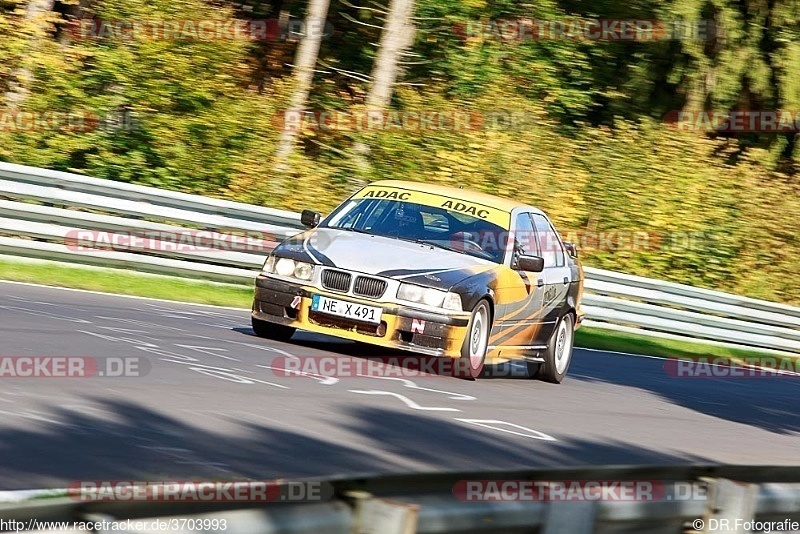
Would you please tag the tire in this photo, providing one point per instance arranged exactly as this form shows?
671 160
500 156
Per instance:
558 355
278 332
473 351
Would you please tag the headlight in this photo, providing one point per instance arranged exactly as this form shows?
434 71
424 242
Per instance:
284 267
303 271
435 298
410 292
269 265
288 267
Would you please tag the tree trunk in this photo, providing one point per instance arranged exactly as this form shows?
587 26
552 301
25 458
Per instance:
397 36
304 65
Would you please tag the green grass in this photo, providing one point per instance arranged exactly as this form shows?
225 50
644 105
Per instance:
598 338
120 281
123 282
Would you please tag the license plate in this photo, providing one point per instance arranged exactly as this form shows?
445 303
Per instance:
342 308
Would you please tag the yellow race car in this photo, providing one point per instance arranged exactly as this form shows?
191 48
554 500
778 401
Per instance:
430 269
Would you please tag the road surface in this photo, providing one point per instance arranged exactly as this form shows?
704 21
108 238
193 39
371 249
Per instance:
215 403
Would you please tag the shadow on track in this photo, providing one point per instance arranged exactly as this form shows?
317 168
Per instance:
769 403
132 442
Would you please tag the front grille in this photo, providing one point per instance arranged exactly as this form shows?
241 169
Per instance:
336 280
369 287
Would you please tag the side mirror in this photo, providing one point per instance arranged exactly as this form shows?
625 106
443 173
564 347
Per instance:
309 218
572 250
533 264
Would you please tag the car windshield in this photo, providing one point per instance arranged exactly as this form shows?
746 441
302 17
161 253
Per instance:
437 226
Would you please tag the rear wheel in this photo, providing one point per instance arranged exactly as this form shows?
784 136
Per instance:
558 355
269 330
476 342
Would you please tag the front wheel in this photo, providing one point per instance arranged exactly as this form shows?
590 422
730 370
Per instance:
476 342
278 332
558 355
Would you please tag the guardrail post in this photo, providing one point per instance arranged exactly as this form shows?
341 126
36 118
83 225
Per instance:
382 516
730 505
572 517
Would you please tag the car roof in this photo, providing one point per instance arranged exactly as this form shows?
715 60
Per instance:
485 199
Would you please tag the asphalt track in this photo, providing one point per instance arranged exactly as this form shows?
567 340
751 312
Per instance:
212 406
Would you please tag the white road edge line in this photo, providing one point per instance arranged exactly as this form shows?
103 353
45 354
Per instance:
122 296
408 402
487 423
411 385
625 353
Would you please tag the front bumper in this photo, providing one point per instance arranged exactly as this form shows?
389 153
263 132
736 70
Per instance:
401 327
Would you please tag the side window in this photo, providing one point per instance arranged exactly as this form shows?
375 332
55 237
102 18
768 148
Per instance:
359 214
524 238
550 245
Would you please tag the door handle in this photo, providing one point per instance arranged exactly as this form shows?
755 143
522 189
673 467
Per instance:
566 280
539 282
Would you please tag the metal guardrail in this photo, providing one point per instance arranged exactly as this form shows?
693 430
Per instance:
682 499
76 183
40 209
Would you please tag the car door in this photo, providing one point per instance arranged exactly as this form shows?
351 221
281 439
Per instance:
556 275
519 314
